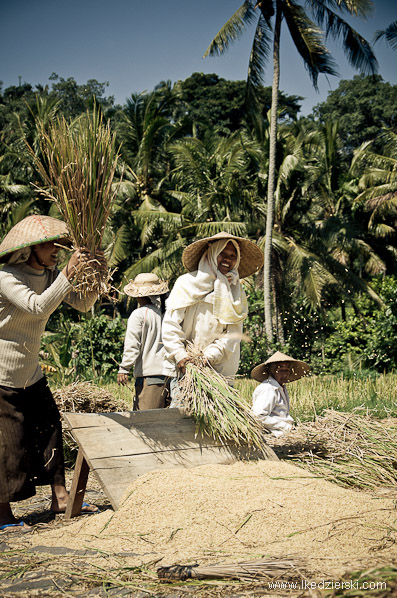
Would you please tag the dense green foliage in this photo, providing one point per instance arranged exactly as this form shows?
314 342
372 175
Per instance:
363 107
194 162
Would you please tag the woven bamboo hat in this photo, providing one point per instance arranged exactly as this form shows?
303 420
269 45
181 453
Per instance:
145 285
33 230
298 368
251 257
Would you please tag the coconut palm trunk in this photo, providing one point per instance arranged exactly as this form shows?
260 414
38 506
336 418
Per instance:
267 267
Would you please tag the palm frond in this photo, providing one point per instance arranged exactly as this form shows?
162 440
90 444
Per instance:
311 273
260 52
390 34
308 39
116 245
357 50
231 30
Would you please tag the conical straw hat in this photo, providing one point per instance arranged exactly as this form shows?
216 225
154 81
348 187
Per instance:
145 285
33 230
298 368
251 257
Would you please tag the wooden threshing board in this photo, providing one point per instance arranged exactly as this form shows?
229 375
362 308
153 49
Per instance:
119 447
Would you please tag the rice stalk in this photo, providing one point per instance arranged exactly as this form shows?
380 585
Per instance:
349 449
217 407
77 163
245 571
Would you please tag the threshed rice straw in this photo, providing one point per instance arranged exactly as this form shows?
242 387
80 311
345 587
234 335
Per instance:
217 407
77 163
350 449
86 397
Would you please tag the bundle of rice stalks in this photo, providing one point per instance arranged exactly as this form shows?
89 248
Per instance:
245 571
84 397
217 407
347 448
77 164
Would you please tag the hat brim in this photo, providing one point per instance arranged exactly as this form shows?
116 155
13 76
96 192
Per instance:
62 240
251 256
299 369
133 290
33 230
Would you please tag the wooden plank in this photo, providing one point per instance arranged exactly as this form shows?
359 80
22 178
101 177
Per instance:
77 490
119 447
102 443
126 418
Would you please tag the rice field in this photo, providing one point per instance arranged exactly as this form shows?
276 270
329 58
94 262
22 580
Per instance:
312 396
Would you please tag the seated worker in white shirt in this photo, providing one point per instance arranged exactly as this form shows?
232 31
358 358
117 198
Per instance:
270 400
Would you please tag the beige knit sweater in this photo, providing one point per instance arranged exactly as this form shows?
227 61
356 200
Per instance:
143 349
27 299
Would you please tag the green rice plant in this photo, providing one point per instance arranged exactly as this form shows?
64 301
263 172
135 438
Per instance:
77 163
217 407
313 395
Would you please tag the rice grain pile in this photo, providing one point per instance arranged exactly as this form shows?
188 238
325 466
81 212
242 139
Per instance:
247 510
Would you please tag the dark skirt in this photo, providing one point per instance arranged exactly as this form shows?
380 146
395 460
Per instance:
31 450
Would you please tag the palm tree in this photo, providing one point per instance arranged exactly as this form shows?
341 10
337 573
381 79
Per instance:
378 185
214 190
320 250
308 40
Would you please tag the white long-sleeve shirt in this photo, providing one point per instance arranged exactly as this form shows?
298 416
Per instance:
143 348
220 343
27 299
270 403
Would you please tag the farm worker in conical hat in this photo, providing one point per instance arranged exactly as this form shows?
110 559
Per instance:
31 288
207 306
143 347
270 400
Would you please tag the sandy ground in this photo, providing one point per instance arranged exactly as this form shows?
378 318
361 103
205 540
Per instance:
229 513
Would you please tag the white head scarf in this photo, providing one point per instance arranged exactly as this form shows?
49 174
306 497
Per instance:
224 292
22 255
19 256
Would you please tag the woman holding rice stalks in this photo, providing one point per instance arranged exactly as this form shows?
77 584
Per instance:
143 348
207 306
31 288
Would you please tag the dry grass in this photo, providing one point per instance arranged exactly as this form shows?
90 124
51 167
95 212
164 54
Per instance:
257 570
85 397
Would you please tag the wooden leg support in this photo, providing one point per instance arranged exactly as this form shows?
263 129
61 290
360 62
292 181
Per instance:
79 484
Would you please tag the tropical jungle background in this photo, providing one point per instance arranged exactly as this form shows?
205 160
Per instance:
197 157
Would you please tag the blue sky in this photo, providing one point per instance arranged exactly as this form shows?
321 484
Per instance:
135 44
